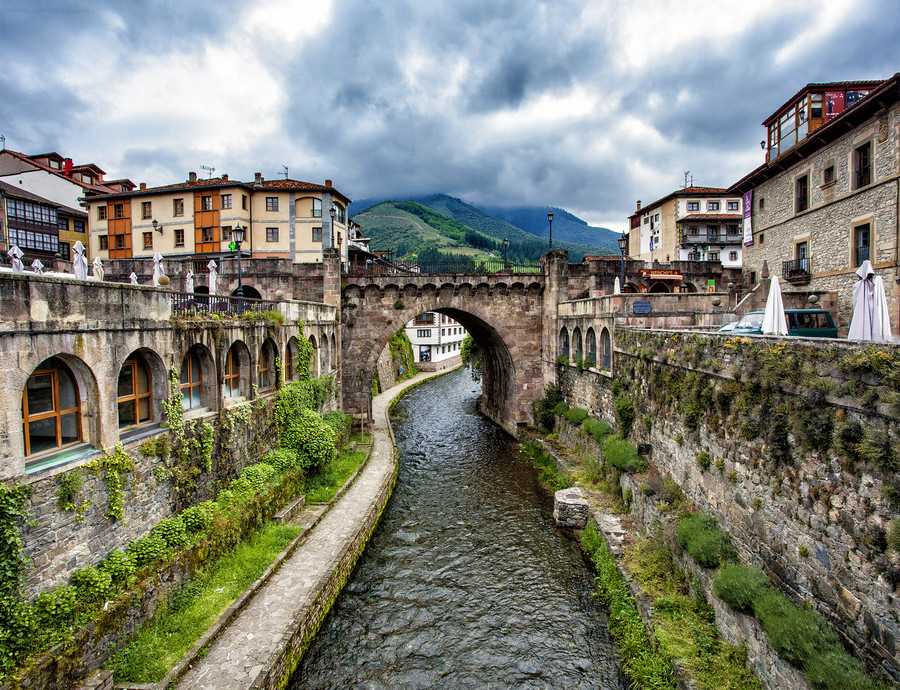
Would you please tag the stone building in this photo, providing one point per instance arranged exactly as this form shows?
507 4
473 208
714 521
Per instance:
827 197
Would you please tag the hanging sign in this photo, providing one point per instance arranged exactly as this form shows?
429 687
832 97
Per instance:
748 226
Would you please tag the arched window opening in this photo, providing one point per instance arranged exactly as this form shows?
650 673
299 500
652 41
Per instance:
51 408
334 354
576 336
232 373
592 344
266 367
659 288
326 355
135 392
314 359
607 349
564 342
191 381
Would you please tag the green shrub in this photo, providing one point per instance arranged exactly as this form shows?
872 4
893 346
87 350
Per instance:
835 669
623 455
310 438
625 414
91 584
598 430
339 422
589 362
282 459
543 409
795 634
258 476
576 415
197 518
893 535
738 586
562 359
55 608
703 460
561 407
700 535
173 532
148 550
118 566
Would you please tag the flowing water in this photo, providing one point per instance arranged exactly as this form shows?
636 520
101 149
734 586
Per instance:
465 583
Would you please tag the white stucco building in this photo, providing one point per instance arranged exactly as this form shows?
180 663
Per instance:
436 340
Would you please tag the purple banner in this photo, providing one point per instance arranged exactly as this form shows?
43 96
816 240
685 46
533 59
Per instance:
748 226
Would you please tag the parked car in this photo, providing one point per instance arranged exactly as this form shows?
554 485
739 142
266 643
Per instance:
807 323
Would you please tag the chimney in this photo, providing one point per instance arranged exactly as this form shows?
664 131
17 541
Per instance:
639 205
225 178
143 186
258 179
327 183
192 177
67 167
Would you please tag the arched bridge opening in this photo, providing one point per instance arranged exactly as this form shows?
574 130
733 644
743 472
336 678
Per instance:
504 316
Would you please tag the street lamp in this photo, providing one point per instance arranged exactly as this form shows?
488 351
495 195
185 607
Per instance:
157 227
332 212
623 243
550 218
238 234
340 253
505 247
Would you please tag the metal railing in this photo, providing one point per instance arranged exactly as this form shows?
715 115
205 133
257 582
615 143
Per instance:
798 268
453 265
197 304
712 238
862 253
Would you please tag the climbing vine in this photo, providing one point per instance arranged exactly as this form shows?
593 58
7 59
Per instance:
112 465
68 493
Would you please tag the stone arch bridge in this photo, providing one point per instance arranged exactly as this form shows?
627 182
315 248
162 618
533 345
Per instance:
511 317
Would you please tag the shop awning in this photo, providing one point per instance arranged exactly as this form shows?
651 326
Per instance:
663 276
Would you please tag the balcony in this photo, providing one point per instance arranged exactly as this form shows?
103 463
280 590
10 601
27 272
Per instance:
862 254
710 238
797 271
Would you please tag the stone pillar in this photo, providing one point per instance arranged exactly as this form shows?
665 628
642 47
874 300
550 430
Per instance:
555 267
570 508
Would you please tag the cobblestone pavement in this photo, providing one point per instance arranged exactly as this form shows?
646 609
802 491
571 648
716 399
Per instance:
238 655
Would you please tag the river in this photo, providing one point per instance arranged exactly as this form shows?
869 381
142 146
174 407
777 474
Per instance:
465 583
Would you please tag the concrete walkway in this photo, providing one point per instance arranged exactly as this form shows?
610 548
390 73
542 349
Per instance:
251 651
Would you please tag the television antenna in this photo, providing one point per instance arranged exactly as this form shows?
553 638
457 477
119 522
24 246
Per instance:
210 168
686 173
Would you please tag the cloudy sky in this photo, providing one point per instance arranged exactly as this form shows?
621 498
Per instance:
585 105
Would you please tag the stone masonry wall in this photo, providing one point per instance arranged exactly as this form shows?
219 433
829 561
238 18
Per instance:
802 436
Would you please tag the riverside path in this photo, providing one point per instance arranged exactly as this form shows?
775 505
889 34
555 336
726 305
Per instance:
247 654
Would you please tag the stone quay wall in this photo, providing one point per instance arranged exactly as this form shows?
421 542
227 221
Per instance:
791 444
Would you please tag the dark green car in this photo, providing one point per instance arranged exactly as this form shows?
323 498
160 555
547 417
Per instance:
806 323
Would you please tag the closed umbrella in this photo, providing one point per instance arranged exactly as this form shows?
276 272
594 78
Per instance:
38 266
617 288
189 282
97 265
774 320
212 277
157 268
79 263
881 324
133 278
863 320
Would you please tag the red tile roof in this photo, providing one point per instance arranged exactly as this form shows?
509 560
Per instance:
815 88
97 188
218 182
686 191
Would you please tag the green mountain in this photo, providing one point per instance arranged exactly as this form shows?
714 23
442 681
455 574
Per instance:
450 226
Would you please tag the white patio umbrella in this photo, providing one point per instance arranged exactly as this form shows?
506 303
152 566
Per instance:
881 324
774 320
617 287
189 282
862 323
212 277
15 256
97 265
79 262
157 268
38 267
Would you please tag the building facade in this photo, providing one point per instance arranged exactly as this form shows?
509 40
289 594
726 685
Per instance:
690 224
282 219
827 199
436 339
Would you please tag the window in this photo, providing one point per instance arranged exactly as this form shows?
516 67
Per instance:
801 250
233 373
244 201
762 203
179 237
828 175
191 381
206 235
576 338
734 205
64 253
564 342
51 408
762 238
712 233
148 240
134 392
646 219
120 241
104 241
225 201
317 234
694 230
657 218
206 203
815 106
423 333
271 234
801 196
712 205
591 341
78 225
101 213
862 240
271 203
226 233
712 256
752 277
862 165
339 215
693 206
606 343
266 370
119 211
62 224
145 209
317 208
178 207
732 256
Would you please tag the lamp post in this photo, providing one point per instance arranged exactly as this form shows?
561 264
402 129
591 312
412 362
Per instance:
332 212
340 254
237 234
505 247
550 219
623 243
